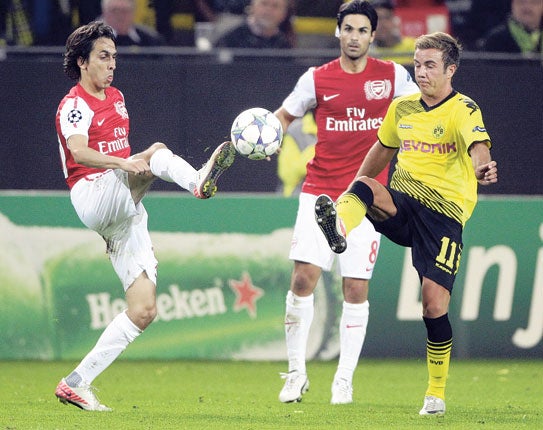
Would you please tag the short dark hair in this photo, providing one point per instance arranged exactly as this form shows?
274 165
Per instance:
357 7
450 47
80 43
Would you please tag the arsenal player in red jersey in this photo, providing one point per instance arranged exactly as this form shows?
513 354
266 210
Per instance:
350 96
107 185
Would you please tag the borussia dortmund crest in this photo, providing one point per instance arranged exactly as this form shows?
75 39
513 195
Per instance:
438 132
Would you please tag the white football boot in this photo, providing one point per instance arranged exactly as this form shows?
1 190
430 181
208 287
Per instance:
83 397
296 385
342 392
433 406
221 159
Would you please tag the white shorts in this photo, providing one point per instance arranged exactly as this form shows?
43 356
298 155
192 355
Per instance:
104 204
310 246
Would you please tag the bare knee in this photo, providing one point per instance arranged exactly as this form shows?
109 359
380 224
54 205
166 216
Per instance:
366 179
355 290
433 309
435 299
155 147
141 301
378 200
148 314
142 315
304 279
370 182
148 153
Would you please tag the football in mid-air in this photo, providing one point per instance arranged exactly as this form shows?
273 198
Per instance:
256 133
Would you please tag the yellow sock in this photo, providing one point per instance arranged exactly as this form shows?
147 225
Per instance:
351 210
438 356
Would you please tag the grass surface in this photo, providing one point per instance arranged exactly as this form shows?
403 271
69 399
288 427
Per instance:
240 395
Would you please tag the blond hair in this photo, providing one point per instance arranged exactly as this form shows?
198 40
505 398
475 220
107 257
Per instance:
448 45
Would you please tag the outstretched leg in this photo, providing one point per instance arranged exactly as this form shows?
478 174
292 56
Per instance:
202 183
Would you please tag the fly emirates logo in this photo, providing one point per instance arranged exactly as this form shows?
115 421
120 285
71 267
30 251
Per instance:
120 142
355 121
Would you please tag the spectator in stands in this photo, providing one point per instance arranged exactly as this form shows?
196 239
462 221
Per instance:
482 16
521 32
223 15
15 23
389 43
119 14
267 25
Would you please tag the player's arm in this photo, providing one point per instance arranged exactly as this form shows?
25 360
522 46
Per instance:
78 146
376 160
486 170
284 117
403 82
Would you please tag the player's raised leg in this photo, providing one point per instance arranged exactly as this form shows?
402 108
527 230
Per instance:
202 183
330 224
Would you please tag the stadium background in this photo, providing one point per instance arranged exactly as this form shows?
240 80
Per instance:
224 270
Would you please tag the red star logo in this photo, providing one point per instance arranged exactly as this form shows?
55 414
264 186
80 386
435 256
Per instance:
246 294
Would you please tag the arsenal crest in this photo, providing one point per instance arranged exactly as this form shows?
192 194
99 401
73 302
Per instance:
376 90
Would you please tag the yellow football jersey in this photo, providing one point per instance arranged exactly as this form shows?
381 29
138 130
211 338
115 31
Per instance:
433 165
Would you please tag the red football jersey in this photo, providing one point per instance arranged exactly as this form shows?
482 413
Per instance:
349 109
104 122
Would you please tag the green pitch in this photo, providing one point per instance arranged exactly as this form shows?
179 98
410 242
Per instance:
241 395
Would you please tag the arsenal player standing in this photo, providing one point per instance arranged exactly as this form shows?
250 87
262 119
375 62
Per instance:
350 96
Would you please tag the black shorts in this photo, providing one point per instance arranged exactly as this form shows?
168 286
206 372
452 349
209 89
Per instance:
435 239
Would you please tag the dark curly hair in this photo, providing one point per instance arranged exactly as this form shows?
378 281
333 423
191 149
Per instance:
80 43
357 7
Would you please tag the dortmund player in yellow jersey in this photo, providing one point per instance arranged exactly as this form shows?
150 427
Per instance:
443 153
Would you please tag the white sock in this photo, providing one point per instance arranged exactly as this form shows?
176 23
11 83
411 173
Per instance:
113 341
298 319
172 168
352 332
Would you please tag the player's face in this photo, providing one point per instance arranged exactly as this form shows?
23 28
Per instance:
355 36
97 71
433 78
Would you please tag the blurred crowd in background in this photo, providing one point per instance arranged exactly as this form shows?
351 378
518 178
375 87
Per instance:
513 26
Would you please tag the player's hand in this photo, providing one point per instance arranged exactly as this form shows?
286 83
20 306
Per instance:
137 166
268 158
487 173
